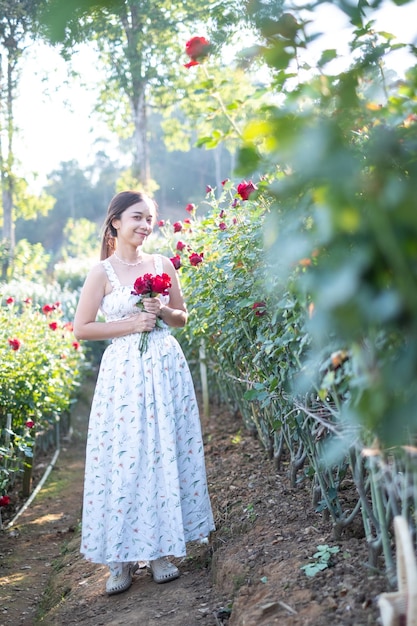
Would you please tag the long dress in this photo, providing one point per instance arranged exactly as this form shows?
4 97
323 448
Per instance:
145 489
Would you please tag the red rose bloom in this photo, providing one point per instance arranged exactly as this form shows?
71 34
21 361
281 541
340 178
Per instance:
190 208
197 48
75 345
180 245
187 221
150 286
27 300
195 258
245 189
176 261
209 188
14 344
222 226
177 226
53 325
10 300
259 308
47 308
29 423
4 500
161 223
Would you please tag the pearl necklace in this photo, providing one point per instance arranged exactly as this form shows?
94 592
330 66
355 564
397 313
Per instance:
125 262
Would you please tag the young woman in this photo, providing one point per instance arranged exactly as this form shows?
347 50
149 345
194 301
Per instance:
145 491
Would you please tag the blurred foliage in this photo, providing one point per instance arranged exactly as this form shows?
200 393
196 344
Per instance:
343 196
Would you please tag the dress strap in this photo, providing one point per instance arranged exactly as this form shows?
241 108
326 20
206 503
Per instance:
159 266
111 274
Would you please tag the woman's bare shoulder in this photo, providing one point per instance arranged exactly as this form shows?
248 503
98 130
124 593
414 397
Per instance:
96 273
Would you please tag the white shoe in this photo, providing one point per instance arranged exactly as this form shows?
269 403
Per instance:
117 583
163 570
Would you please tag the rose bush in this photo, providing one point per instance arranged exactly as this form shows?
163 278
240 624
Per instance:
40 368
329 367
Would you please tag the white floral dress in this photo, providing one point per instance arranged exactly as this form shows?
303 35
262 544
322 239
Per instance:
145 490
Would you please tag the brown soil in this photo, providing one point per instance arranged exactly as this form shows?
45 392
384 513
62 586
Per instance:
248 575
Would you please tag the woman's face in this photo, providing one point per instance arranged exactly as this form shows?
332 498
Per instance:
135 223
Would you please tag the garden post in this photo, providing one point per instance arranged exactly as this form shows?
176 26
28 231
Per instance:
27 476
203 376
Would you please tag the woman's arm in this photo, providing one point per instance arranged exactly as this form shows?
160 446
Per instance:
85 324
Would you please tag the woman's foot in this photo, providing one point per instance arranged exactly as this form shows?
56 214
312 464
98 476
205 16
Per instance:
163 570
120 578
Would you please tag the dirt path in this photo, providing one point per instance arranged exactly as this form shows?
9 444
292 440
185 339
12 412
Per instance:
249 574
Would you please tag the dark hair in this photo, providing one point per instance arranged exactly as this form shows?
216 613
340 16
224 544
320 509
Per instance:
118 205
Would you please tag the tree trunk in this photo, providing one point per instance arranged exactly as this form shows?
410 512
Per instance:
141 167
6 163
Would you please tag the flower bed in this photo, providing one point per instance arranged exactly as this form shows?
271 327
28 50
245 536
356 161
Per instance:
41 365
254 327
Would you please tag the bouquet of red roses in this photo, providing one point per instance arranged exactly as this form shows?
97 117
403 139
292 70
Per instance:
148 286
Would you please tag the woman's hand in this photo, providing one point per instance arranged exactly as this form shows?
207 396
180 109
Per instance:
142 322
152 305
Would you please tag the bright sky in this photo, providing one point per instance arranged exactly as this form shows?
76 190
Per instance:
396 20
54 114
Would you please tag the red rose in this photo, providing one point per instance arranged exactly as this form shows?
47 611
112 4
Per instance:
75 345
177 226
4 500
47 308
190 208
151 286
27 300
161 284
259 308
222 226
187 221
180 245
226 180
195 258
176 261
10 300
161 223
29 423
197 48
245 189
53 325
209 189
14 343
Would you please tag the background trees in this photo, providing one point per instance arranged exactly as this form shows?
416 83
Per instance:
140 43
17 19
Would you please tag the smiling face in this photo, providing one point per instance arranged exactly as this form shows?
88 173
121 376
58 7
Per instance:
135 223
